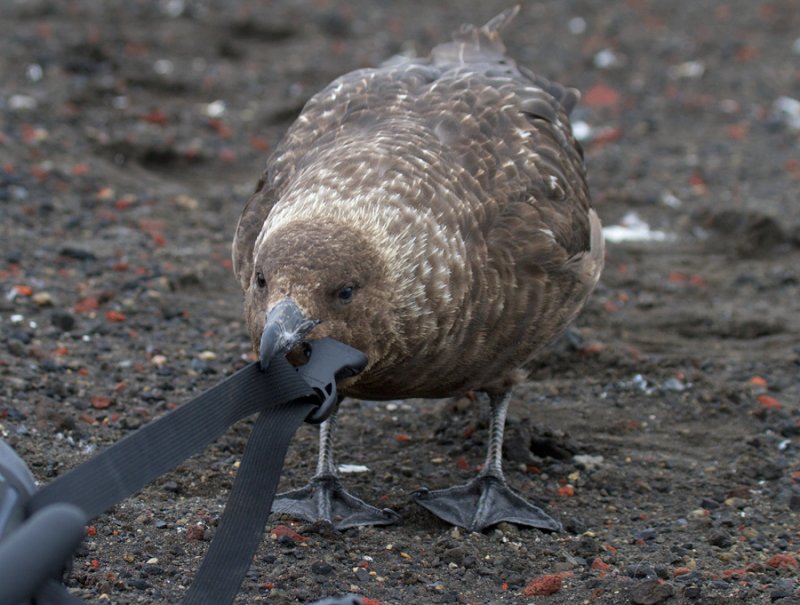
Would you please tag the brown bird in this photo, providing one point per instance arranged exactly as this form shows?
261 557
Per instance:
434 214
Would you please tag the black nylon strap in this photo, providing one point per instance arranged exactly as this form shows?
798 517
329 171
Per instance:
139 458
249 504
284 395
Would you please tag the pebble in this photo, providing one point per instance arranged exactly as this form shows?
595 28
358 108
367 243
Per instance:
646 535
362 575
543 585
139 584
322 568
689 578
651 592
587 461
689 70
782 589
673 384
43 299
195 533
22 102
640 570
720 538
787 110
63 320
455 555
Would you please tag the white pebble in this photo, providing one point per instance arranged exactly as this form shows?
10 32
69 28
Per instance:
352 468
22 102
577 25
690 70
163 67
215 109
35 72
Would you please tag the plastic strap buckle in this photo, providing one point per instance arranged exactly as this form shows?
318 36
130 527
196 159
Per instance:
330 361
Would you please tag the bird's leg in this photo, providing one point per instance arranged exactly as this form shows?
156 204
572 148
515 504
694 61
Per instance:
487 499
324 498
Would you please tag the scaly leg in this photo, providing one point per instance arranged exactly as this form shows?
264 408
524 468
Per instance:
487 499
324 498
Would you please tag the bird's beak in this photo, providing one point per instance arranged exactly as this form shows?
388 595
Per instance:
285 328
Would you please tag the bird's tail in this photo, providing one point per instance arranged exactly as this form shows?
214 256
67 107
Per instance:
473 44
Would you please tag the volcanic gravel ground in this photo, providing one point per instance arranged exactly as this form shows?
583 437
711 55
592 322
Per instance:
663 429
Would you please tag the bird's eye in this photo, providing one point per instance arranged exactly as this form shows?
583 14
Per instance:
260 281
345 295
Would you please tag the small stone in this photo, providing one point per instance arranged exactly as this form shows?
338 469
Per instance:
455 555
195 532
646 535
171 486
43 299
62 320
782 589
720 538
588 462
651 592
207 355
76 253
543 585
187 202
692 591
139 584
321 568
639 570
673 384
158 360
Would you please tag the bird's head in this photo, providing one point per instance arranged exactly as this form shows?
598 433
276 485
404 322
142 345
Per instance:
312 281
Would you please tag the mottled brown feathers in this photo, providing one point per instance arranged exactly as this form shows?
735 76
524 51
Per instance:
452 192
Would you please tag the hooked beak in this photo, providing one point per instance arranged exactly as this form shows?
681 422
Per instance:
286 327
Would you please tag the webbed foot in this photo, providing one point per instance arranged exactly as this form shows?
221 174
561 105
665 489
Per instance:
324 499
483 502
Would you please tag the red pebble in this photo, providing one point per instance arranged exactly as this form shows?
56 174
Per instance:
566 491
543 585
769 402
599 565
601 96
782 562
282 530
100 402
195 532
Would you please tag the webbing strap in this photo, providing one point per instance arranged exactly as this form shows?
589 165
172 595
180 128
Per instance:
158 447
242 525
284 395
